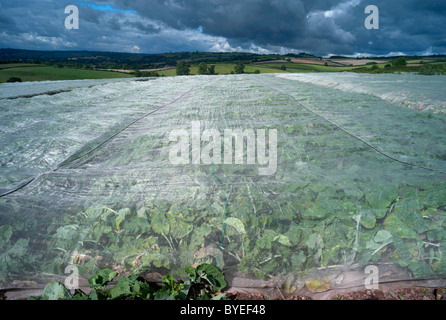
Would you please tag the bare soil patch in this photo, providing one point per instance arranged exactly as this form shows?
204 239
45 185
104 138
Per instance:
271 61
116 70
406 293
309 61
153 70
356 62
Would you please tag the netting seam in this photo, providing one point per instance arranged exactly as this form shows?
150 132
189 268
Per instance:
356 137
69 160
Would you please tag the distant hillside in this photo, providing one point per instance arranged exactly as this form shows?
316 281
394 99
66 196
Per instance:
6 54
28 65
116 60
392 57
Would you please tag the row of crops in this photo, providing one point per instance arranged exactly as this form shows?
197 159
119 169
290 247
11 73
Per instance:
359 181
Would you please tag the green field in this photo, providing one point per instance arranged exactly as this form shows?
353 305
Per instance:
32 72
17 65
40 72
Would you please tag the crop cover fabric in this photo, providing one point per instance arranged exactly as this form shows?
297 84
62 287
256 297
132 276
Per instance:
86 178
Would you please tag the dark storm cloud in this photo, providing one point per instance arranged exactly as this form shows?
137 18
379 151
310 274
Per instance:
264 22
405 26
91 15
146 28
6 22
320 27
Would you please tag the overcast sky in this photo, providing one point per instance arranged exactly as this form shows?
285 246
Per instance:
262 26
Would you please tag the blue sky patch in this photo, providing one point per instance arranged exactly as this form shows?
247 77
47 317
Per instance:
106 7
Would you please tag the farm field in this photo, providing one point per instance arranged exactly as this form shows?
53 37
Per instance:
349 170
39 72
30 72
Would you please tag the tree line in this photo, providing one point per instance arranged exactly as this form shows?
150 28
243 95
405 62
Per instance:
182 69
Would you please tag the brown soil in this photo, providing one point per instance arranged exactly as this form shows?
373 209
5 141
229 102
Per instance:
153 70
407 293
116 70
355 62
309 61
130 71
271 61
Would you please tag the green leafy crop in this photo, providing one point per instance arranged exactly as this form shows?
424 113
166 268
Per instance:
203 283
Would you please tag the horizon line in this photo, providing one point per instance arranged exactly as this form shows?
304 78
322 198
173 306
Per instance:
328 56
